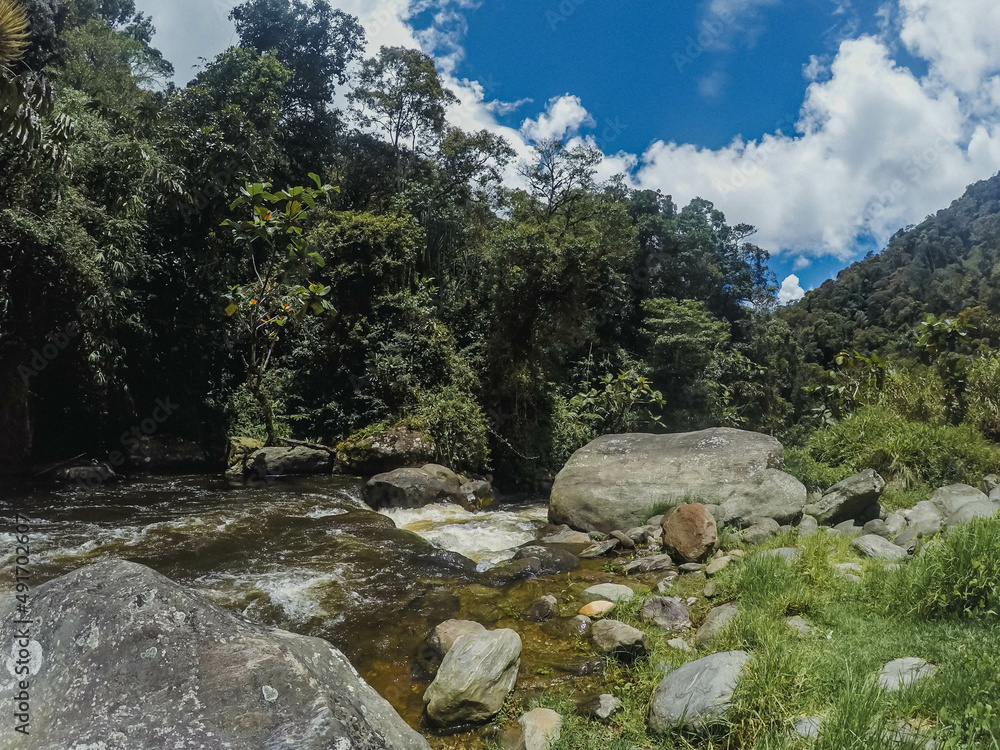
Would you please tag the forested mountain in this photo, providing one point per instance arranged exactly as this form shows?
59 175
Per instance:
945 266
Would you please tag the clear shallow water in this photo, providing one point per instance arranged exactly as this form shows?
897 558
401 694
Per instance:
307 555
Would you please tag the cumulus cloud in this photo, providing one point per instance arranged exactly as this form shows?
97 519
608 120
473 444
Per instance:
791 290
563 116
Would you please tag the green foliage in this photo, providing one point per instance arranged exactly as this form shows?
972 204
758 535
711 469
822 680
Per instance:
457 424
983 396
815 475
627 403
956 575
912 452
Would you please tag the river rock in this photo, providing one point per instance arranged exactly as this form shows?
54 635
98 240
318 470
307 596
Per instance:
697 694
975 509
923 519
600 707
553 560
239 452
478 493
475 678
901 673
512 571
716 566
544 608
715 621
689 533
620 640
877 548
612 592
948 500
415 488
536 730
164 668
853 498
808 525
761 530
394 448
667 612
599 549
650 564
272 462
599 608
89 475
769 494
565 535
614 481
440 641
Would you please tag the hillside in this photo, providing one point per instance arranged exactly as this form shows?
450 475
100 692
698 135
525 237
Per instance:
945 265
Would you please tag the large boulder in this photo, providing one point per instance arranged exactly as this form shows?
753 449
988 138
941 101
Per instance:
689 533
474 679
163 668
975 509
90 475
877 548
415 488
616 481
239 452
394 448
273 462
854 498
441 640
697 694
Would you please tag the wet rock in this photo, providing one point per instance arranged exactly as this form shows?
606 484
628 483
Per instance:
854 497
440 641
583 667
395 448
535 730
612 592
478 493
669 613
877 548
612 482
620 640
239 452
599 549
600 707
544 608
599 608
565 535
505 574
567 627
715 621
474 679
698 694
552 560
90 475
689 533
164 667
272 462
901 673
415 488
625 540
761 530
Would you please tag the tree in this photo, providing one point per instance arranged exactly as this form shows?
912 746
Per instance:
279 293
558 179
401 94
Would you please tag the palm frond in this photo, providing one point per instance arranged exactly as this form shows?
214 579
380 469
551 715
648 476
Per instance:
13 32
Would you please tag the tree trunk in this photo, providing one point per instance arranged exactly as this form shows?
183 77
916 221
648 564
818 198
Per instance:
266 408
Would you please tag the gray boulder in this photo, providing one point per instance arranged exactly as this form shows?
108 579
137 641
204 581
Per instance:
854 497
415 488
612 592
393 448
543 609
667 612
808 525
164 668
475 678
761 530
552 560
948 500
620 640
440 641
923 519
614 481
601 707
273 462
975 509
715 621
698 694
878 527
769 494
877 548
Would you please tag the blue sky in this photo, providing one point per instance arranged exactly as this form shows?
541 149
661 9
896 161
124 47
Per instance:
828 124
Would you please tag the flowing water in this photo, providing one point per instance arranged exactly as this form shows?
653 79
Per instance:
306 555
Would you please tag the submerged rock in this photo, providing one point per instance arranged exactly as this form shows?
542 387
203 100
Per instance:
475 678
613 592
164 668
614 482
89 475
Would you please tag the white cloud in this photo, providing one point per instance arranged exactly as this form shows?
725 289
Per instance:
563 116
791 290
815 69
801 263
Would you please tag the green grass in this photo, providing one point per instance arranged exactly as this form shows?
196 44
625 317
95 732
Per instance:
830 672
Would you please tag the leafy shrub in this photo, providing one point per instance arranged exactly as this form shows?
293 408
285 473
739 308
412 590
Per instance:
458 425
957 575
813 474
912 452
982 396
